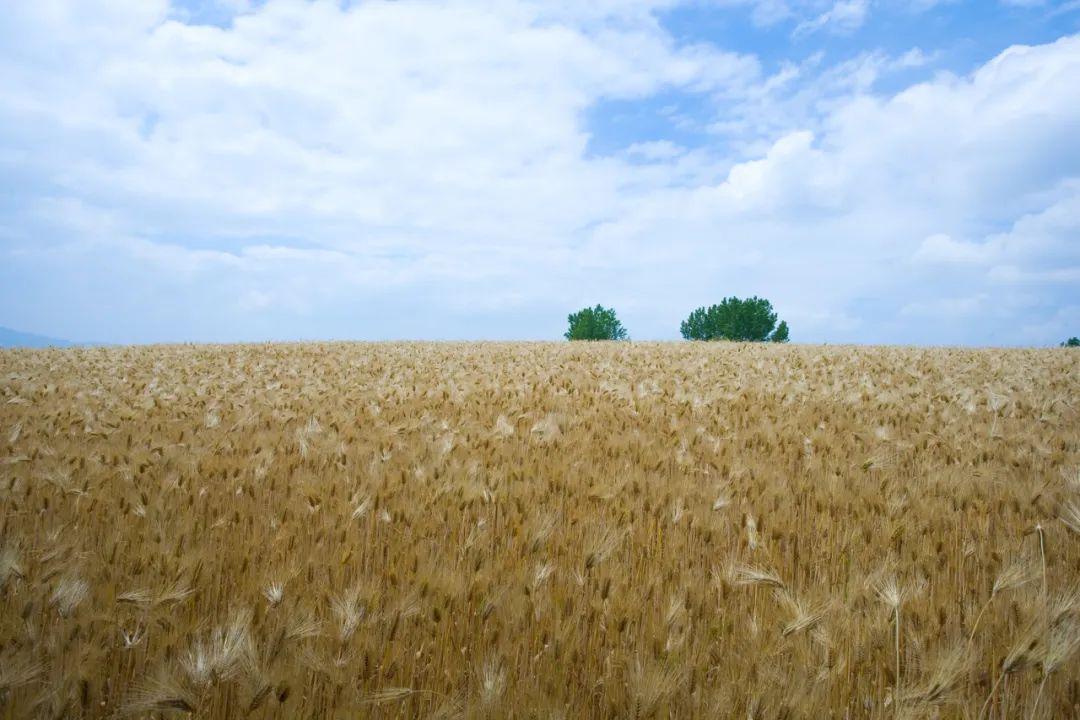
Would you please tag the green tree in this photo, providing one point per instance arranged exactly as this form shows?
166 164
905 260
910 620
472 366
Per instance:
750 320
598 323
1071 342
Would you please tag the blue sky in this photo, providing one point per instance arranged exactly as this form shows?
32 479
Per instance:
223 170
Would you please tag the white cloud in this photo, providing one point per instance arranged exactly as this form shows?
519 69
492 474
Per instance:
764 12
655 150
367 115
805 95
1039 247
941 248
844 16
809 16
951 308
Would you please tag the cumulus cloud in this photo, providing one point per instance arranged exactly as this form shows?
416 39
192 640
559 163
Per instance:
414 168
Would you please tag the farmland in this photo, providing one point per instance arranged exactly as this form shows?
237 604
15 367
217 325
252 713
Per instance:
535 530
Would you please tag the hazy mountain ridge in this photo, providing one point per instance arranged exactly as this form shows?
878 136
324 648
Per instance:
13 338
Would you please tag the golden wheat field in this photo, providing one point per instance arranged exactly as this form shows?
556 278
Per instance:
605 530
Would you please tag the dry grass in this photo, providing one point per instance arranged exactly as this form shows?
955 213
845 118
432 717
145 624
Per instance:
539 530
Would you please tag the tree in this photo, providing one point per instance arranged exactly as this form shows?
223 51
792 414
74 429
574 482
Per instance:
598 323
751 320
1071 342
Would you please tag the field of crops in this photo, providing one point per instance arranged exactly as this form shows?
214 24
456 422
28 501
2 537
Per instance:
570 530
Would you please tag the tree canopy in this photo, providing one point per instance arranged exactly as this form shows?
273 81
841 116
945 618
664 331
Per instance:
597 323
749 320
1071 342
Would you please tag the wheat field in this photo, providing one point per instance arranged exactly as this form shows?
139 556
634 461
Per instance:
535 530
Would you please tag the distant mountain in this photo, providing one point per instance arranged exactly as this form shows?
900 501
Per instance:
13 338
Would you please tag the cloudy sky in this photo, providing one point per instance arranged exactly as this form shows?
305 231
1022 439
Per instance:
897 171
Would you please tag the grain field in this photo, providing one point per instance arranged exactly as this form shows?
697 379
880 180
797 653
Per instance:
520 530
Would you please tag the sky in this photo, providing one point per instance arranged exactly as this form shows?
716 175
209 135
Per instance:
884 171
